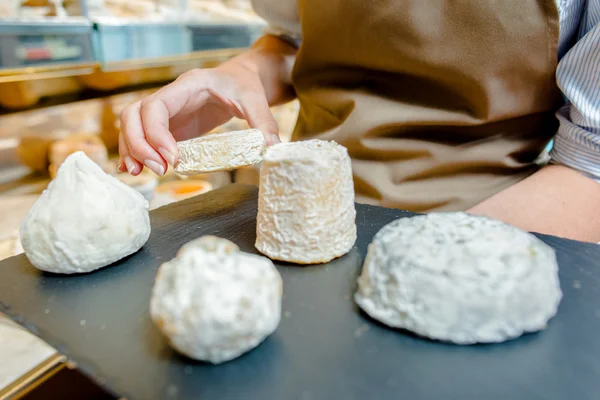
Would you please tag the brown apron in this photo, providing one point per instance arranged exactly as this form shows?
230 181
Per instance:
440 103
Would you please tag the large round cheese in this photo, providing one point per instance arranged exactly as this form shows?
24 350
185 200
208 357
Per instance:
84 220
306 211
214 302
459 278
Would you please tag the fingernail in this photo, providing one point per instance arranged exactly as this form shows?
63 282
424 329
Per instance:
167 155
155 167
130 164
275 139
121 167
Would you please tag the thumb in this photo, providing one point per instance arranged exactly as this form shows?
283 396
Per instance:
258 114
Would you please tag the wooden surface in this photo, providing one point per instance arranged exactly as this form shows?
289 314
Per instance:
324 347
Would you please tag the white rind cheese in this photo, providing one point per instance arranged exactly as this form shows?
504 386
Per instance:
306 211
214 302
459 278
84 220
220 152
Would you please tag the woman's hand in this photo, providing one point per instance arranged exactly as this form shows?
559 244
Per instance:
195 103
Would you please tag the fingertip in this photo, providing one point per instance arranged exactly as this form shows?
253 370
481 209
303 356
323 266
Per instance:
270 132
272 139
169 156
155 167
137 170
132 166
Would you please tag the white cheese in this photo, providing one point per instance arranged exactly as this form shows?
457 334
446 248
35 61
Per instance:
306 211
459 278
84 220
220 152
214 302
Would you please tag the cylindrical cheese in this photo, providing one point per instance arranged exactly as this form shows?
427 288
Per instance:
306 212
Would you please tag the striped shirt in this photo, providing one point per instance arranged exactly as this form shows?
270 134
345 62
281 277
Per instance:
577 142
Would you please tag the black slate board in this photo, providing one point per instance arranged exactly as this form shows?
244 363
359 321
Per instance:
323 349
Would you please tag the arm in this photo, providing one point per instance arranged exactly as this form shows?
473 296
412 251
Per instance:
556 200
272 59
272 51
563 199
200 100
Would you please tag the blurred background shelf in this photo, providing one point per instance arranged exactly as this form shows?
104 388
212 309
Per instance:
48 53
209 36
124 41
50 41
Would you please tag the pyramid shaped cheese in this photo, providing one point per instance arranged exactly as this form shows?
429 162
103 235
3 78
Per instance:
84 220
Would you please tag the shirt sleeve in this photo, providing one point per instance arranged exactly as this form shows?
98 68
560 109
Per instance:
282 17
577 142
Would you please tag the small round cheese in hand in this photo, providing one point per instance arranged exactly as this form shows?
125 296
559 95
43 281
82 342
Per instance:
306 211
214 302
84 220
459 278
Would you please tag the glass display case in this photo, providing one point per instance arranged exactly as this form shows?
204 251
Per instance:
49 41
50 48
114 34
